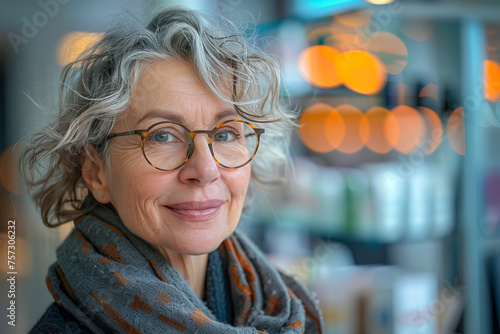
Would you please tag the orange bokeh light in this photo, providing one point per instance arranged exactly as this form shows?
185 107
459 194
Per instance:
455 130
491 80
411 128
384 130
335 128
390 49
316 64
354 19
321 128
73 44
357 129
361 72
434 130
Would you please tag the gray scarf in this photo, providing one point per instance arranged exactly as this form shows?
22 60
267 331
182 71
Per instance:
114 282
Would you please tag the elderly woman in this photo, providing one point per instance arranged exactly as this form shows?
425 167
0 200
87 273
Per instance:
164 132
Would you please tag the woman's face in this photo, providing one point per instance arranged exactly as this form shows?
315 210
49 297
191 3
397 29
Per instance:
190 210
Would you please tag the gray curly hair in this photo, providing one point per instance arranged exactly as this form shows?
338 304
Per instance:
96 89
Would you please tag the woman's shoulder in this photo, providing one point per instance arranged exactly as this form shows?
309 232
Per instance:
57 320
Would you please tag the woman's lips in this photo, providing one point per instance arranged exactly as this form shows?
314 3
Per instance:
197 211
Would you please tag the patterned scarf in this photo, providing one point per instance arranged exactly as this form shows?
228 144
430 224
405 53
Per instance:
114 282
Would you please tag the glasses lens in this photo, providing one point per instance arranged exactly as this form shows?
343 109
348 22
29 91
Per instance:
234 144
166 145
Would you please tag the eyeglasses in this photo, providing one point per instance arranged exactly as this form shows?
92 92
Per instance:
169 145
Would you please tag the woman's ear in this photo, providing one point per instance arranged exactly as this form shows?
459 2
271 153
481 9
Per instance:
93 173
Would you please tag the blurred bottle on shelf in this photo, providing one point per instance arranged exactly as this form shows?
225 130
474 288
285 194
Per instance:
378 300
375 202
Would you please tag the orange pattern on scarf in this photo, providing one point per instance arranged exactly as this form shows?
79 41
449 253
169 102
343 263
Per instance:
121 280
128 328
200 317
172 322
272 306
157 271
112 252
51 289
65 283
230 246
138 303
86 245
163 298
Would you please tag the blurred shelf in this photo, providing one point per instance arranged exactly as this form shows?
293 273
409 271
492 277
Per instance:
315 230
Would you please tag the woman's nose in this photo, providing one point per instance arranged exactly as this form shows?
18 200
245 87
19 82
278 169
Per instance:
201 166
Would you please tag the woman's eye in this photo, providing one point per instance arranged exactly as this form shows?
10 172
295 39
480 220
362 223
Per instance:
227 135
161 136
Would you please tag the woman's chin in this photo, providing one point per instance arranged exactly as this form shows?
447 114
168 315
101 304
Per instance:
198 244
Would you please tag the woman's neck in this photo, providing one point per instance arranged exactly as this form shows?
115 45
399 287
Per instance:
192 267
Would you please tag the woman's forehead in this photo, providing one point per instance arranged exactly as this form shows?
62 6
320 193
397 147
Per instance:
168 77
178 76
171 90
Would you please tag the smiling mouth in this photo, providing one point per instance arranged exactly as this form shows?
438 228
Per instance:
196 211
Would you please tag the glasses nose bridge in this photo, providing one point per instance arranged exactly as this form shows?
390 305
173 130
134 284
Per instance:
209 133
193 134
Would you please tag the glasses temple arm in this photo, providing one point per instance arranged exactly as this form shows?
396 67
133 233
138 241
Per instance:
126 133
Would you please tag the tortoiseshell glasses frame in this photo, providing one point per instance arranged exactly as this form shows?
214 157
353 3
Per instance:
143 133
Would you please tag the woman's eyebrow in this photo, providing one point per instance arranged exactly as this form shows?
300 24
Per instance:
179 118
223 114
165 114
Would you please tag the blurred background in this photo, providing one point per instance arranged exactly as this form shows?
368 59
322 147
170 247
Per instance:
392 212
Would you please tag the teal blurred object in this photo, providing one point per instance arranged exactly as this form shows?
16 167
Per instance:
314 9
